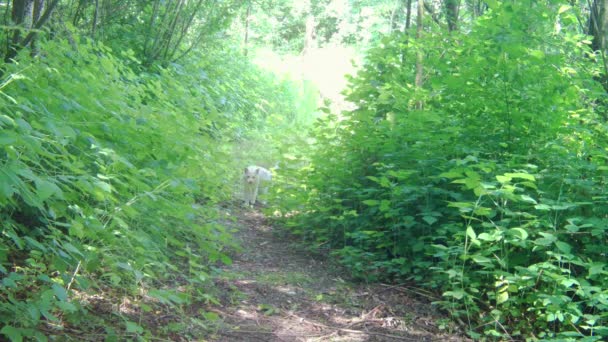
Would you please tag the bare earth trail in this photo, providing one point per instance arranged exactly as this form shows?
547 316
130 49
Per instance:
276 292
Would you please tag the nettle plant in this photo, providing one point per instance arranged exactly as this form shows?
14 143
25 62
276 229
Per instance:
523 259
111 179
486 184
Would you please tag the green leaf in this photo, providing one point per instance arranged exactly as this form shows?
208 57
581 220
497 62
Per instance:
60 292
6 120
530 185
211 316
480 190
7 138
483 211
482 260
124 266
11 280
452 174
528 199
486 237
457 294
537 54
564 247
521 175
520 233
596 268
35 244
133 327
543 207
502 297
13 334
569 282
385 205
45 189
120 222
371 203
492 4
103 186
546 240
226 260
71 248
77 229
471 233
7 188
429 219
564 8
503 179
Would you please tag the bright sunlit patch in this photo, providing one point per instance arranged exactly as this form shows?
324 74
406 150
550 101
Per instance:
247 314
286 290
325 67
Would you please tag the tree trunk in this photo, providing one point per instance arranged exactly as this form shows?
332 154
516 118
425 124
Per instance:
393 24
78 12
38 10
162 24
598 28
150 31
172 29
408 16
184 30
452 7
598 24
309 33
29 20
246 42
21 15
95 19
476 7
419 55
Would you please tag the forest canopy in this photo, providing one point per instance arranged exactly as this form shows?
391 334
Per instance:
466 153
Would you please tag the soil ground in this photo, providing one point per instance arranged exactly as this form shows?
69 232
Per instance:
276 291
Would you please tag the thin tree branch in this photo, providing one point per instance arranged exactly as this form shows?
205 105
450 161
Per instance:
185 29
95 19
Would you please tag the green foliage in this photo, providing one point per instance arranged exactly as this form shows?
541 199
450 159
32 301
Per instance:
158 32
111 179
282 25
487 184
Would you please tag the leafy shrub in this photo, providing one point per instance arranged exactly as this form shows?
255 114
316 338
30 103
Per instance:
111 179
485 185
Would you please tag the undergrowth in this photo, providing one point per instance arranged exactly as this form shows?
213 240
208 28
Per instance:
486 185
111 180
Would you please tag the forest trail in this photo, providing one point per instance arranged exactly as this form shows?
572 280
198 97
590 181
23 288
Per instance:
274 291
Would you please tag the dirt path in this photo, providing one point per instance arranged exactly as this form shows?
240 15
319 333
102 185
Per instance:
274 291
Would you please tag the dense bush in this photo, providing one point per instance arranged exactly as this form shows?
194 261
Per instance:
487 184
111 179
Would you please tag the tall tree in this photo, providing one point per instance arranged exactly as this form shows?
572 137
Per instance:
246 39
598 28
419 55
452 7
28 17
408 16
476 7
309 32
